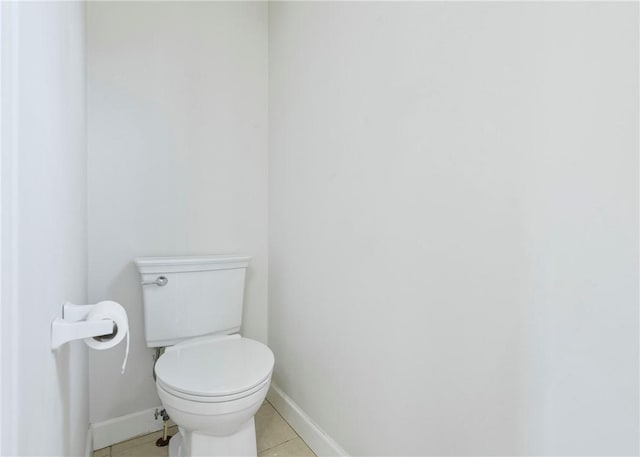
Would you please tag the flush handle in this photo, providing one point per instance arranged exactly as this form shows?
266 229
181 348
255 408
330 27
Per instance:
159 281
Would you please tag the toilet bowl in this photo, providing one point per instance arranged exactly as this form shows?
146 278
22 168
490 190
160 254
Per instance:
211 388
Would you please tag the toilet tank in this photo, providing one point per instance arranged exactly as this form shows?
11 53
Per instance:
186 297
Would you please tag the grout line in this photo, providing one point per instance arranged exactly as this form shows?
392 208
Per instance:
286 441
294 431
280 444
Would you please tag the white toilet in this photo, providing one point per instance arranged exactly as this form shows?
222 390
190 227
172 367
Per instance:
210 380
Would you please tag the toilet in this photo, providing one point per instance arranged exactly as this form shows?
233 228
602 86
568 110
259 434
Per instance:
210 379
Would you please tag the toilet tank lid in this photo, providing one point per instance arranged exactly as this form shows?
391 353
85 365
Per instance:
191 263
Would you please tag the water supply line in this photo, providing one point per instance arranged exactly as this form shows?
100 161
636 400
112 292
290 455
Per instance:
164 440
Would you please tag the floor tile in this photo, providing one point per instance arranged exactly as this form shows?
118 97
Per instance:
104 452
148 449
293 448
274 438
271 429
144 443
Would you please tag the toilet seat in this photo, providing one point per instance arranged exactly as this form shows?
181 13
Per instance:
212 399
215 368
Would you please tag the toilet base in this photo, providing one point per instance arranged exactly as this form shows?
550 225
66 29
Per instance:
175 444
191 444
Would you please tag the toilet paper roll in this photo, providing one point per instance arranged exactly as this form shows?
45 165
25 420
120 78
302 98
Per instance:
115 312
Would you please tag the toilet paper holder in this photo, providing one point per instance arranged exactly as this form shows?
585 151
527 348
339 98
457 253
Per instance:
73 326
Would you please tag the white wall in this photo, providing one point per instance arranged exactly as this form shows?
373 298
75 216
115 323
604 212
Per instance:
453 207
48 194
177 131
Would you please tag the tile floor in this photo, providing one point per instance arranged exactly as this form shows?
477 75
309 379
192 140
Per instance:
275 438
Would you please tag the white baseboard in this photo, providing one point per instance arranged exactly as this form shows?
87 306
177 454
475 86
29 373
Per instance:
124 428
112 431
316 438
88 443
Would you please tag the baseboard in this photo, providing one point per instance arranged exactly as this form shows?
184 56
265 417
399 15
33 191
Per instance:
88 443
123 428
316 438
112 431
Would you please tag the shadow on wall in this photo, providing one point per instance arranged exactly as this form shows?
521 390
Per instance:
105 365
71 361
64 375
